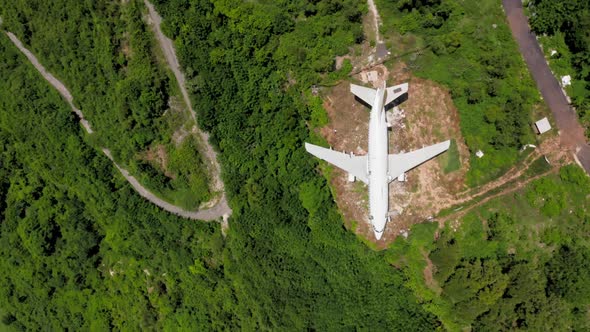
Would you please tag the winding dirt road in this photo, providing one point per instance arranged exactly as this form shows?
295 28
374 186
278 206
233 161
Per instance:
215 213
52 80
380 50
570 131
220 208
376 20
167 47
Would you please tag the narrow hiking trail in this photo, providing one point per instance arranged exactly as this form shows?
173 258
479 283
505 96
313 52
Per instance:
214 213
550 149
376 20
515 177
517 186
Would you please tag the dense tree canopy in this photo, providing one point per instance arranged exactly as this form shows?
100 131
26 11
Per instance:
106 55
78 248
81 250
511 265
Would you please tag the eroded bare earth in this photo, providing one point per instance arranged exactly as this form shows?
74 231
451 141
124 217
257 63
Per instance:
427 117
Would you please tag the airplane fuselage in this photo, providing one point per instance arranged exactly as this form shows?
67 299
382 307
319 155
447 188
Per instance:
377 166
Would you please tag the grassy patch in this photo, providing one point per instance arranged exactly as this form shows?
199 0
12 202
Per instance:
184 179
451 161
5 321
468 47
539 166
318 116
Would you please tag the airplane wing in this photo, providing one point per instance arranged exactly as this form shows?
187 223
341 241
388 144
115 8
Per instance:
366 94
401 163
395 92
355 165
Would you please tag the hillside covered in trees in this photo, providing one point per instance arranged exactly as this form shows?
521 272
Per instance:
107 57
80 250
519 262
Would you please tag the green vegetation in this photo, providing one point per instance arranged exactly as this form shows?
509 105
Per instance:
318 117
467 46
182 181
81 251
566 25
105 55
519 262
451 161
538 166
561 61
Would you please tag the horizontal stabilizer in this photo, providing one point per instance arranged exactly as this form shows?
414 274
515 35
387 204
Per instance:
355 165
366 94
395 92
400 163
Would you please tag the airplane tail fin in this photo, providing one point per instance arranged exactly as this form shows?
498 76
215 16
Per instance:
365 94
395 92
368 95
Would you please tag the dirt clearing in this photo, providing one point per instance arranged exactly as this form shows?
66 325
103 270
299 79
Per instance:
157 156
428 116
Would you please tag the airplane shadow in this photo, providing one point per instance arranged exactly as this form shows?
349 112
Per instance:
362 102
397 102
401 99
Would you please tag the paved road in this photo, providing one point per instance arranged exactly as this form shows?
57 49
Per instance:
570 131
214 213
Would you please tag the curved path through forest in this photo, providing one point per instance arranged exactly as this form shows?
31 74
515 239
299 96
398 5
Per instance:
570 131
167 47
221 209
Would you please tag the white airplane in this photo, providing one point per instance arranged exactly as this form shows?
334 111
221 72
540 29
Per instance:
378 167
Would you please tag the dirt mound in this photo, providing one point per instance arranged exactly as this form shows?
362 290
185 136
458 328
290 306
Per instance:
428 117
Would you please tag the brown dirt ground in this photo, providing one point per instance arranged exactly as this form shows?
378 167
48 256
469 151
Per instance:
428 272
125 47
158 156
551 149
430 117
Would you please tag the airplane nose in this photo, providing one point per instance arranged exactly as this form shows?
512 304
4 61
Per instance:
378 235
